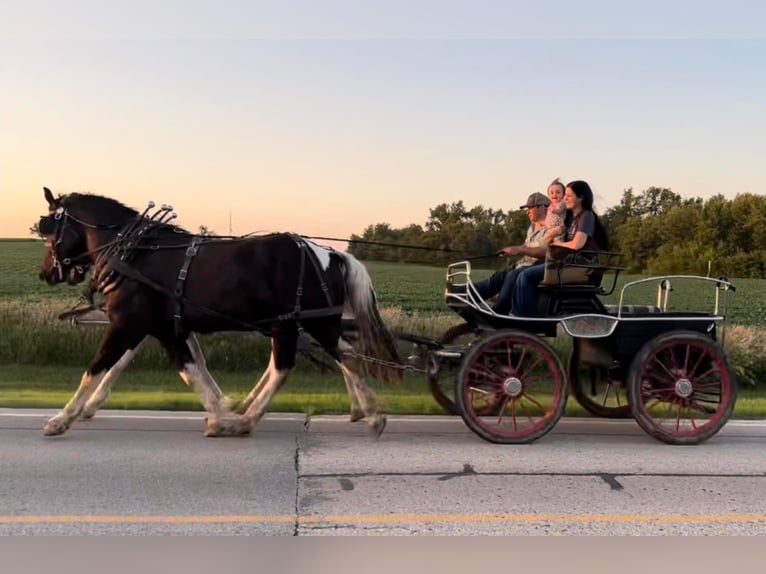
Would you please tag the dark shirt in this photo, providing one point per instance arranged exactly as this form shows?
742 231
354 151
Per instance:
585 222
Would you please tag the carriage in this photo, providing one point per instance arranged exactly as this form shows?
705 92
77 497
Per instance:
664 367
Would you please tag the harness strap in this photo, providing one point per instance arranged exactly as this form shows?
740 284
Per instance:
321 275
191 252
301 271
131 273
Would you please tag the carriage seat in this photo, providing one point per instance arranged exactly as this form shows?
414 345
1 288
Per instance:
573 281
580 271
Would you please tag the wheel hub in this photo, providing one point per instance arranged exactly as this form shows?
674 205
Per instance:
512 386
684 388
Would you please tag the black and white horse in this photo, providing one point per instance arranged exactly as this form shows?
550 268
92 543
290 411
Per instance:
161 281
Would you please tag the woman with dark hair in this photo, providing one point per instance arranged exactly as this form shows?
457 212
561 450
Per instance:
582 229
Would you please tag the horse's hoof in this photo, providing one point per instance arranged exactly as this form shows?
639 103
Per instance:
55 426
213 427
87 415
377 425
227 427
356 415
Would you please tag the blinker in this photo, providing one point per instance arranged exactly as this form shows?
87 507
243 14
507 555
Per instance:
47 225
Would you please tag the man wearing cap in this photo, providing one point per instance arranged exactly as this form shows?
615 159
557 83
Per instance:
501 283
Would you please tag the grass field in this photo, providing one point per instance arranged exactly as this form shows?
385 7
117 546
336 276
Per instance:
41 359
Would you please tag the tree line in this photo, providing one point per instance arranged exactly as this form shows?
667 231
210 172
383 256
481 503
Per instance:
656 230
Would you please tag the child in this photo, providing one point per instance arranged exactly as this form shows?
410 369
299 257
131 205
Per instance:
554 217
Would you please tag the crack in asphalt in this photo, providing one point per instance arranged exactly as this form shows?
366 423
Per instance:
297 465
296 461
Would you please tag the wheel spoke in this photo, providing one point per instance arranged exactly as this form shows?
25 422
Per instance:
480 369
662 365
533 401
503 403
703 354
529 369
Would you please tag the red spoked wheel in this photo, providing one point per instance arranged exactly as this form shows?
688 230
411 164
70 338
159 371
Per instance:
681 388
511 388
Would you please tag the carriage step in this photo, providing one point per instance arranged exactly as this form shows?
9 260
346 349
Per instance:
448 354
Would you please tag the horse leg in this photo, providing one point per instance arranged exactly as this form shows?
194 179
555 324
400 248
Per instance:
361 397
116 351
326 332
199 358
253 394
284 341
353 372
187 356
101 393
356 413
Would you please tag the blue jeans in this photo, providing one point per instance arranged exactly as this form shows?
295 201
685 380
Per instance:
525 292
500 283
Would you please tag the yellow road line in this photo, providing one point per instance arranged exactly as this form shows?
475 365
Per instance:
382 518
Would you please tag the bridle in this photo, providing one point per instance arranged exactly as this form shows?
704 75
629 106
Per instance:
81 262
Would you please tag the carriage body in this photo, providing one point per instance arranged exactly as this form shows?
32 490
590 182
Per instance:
660 363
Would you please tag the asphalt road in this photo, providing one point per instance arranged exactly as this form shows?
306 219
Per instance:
154 473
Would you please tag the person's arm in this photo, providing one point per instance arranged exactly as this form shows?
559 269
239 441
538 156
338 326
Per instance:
531 250
553 233
577 242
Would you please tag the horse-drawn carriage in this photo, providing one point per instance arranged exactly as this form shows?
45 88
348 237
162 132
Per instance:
663 367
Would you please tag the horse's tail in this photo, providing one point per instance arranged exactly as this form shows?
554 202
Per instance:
373 338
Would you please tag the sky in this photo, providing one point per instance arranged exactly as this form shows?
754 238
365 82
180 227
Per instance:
326 120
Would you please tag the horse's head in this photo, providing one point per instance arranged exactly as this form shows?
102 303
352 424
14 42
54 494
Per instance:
65 244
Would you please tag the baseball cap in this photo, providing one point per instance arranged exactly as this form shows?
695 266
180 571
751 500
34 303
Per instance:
536 199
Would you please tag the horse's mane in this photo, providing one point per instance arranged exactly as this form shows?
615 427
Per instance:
108 211
105 207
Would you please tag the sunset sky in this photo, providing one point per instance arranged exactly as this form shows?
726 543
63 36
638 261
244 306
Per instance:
326 130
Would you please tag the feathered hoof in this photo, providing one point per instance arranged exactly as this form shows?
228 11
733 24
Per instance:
356 415
86 414
55 426
377 425
226 427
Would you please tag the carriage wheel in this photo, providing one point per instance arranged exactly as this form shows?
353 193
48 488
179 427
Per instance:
681 388
599 390
442 375
511 388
